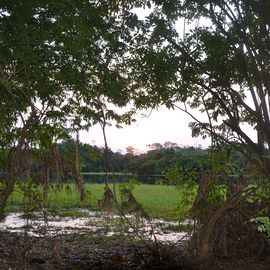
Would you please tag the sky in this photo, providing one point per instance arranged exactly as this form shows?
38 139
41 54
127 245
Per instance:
157 126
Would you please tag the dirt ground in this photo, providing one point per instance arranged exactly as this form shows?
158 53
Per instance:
79 252
65 252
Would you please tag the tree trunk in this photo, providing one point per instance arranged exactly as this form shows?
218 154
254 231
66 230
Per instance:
45 177
210 221
56 159
14 163
11 178
106 152
78 176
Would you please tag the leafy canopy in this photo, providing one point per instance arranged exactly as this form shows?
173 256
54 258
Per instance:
218 62
61 61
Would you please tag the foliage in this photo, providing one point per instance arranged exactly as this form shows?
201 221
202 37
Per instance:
131 185
217 63
31 197
149 167
54 52
176 175
62 68
265 224
153 166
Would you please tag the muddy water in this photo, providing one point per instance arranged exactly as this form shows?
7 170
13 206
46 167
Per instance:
93 221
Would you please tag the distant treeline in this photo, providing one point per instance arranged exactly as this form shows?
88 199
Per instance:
146 167
57 164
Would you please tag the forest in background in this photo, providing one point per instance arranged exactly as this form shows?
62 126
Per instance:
148 167
68 65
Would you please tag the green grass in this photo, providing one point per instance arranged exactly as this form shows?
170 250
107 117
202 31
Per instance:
158 200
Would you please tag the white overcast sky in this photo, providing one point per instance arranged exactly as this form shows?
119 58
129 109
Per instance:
160 126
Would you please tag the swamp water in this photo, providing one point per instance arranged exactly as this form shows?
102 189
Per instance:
93 222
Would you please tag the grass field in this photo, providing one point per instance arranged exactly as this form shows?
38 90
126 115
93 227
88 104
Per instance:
159 201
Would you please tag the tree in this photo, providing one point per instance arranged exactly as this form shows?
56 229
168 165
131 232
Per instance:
130 150
220 66
154 146
54 57
169 144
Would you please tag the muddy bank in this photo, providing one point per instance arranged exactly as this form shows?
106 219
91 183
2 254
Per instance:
73 251
66 252
94 251
96 240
